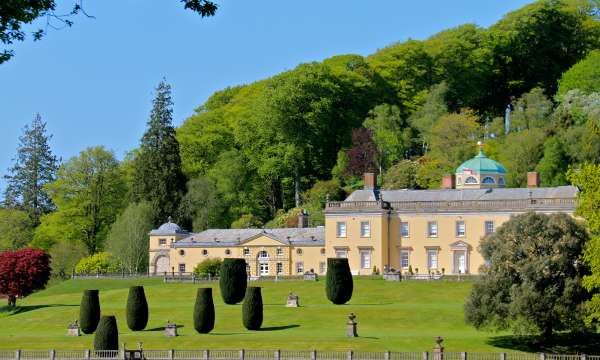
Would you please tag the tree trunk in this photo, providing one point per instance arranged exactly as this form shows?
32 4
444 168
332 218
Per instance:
297 190
12 301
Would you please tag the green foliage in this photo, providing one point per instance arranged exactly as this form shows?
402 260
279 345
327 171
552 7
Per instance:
403 175
531 110
128 237
553 165
209 267
137 309
16 229
533 280
584 76
102 262
64 257
520 152
246 221
233 280
201 204
252 309
204 311
339 284
107 334
433 108
315 198
89 311
285 219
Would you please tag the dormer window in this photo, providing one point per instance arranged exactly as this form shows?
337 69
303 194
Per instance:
488 180
471 180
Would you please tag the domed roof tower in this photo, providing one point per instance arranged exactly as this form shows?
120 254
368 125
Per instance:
480 172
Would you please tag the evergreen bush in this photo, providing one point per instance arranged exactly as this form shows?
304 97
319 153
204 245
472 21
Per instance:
89 311
137 309
253 308
339 281
204 311
107 334
233 280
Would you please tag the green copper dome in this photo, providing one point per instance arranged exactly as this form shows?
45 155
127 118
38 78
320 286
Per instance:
481 164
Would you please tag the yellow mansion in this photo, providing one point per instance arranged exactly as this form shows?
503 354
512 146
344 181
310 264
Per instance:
426 231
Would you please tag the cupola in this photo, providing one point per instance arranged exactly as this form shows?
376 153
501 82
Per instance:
480 172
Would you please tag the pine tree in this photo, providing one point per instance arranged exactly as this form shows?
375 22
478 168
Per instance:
34 166
157 168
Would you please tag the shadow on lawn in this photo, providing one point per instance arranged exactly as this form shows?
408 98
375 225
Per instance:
586 343
162 328
9 311
275 328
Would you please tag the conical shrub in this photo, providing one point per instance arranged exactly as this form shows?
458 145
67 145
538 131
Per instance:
137 309
252 309
233 280
339 281
89 311
204 311
107 334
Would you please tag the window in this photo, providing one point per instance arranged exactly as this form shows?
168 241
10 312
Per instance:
322 251
460 228
182 252
248 269
501 181
489 227
365 229
488 180
246 252
204 252
341 253
263 254
299 251
404 256
404 231
432 259
279 268
181 267
279 252
432 229
227 252
162 242
300 268
459 180
471 180
322 267
365 259
341 229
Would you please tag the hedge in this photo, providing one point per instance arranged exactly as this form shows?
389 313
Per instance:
339 281
107 334
252 309
137 309
233 280
89 311
204 311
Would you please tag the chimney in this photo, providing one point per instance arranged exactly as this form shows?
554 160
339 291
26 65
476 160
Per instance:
303 219
533 179
448 181
370 181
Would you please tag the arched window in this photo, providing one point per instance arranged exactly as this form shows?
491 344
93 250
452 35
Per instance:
227 252
299 251
263 254
488 180
471 180
501 181
204 252
182 252
322 251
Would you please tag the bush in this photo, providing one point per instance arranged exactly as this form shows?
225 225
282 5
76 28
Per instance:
137 309
253 308
102 262
204 311
208 267
107 334
89 311
233 280
339 281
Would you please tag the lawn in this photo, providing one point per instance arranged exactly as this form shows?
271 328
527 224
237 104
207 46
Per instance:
396 316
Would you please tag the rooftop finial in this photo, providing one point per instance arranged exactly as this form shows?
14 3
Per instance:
480 144
169 219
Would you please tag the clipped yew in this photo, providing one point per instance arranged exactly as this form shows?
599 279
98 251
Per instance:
107 334
233 280
137 309
339 281
204 311
252 310
89 311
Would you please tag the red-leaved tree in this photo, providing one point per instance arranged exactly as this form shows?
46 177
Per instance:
22 272
362 155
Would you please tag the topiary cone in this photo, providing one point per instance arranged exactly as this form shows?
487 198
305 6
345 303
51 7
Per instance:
339 281
107 334
233 280
137 309
89 311
252 309
204 311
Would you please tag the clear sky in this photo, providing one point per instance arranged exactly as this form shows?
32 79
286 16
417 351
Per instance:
93 83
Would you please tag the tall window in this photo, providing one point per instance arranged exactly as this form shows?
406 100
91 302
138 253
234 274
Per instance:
182 268
404 256
279 268
341 229
460 228
322 267
341 253
489 227
365 259
246 252
404 230
300 267
365 229
279 252
432 229
432 259
162 242
263 254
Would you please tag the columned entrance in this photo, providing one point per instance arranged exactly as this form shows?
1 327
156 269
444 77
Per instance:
263 263
460 257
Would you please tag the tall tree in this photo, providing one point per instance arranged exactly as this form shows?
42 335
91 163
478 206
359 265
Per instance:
34 167
157 167
15 229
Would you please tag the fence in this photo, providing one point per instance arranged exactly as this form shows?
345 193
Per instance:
272 355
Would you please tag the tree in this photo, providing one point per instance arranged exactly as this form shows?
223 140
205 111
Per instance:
520 152
102 262
89 193
35 166
209 267
201 204
553 165
158 175
16 229
137 309
89 311
15 15
533 280
64 257
362 155
531 110
107 334
252 308
433 108
128 237
23 272
339 281
585 75
233 280
204 311
403 175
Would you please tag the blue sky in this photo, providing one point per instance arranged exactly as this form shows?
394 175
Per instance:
93 83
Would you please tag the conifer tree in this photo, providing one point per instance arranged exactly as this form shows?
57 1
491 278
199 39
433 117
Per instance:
107 334
157 168
89 311
137 309
204 311
34 166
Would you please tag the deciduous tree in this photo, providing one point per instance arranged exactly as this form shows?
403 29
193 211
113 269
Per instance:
23 272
